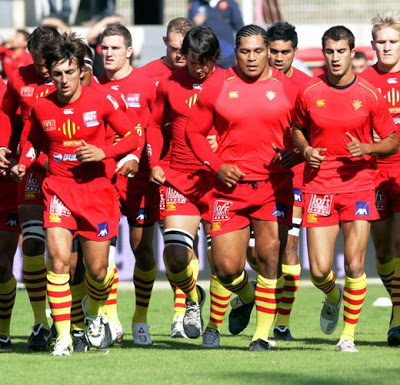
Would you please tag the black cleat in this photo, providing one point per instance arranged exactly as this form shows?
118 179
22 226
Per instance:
40 339
394 336
239 317
260 346
79 341
5 343
282 333
107 340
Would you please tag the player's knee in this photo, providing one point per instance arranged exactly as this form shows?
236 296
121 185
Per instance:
33 236
178 248
354 269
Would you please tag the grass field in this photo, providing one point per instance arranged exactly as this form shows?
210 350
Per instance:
308 360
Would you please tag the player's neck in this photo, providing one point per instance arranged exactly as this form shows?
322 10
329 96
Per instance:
389 69
119 74
341 81
289 72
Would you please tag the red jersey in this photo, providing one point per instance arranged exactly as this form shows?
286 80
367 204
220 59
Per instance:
58 130
11 63
248 117
299 78
5 126
156 69
388 83
327 113
178 93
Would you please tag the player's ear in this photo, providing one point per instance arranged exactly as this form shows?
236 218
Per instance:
165 40
129 52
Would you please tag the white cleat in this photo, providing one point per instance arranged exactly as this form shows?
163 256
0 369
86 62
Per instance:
94 329
193 321
141 334
346 346
330 314
63 347
211 339
177 328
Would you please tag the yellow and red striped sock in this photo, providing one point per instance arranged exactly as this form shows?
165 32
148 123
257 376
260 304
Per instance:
329 287
385 272
98 292
60 300
77 317
291 275
34 273
185 281
218 303
267 297
353 299
143 282
395 294
111 303
7 299
242 287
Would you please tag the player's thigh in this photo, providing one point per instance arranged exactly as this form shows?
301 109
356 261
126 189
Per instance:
382 236
59 246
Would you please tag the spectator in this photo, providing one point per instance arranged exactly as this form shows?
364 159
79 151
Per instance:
359 62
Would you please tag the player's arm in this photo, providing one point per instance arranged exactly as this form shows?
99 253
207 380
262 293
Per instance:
10 101
5 135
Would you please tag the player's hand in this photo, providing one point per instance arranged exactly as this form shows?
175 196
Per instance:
129 168
89 153
4 162
157 175
229 174
313 156
212 140
284 156
355 147
18 172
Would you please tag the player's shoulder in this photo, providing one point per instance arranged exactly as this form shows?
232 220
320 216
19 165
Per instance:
25 75
314 84
300 76
369 72
368 88
154 68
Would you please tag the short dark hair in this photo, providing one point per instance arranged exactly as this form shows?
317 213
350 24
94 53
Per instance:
360 55
39 38
68 47
24 33
282 30
118 29
339 32
202 43
179 25
251 30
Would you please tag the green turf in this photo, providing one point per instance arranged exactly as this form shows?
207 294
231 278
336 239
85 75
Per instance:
309 360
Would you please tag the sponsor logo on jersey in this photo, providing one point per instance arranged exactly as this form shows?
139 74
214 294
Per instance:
70 157
174 196
102 229
113 101
312 218
115 87
221 210
197 86
396 120
392 81
32 184
68 111
142 214
12 220
216 226
69 128
90 119
57 157
280 211
271 95
48 125
298 196
362 208
133 100
26 91
157 83
72 143
191 101
54 218
58 208
149 150
394 110
320 103
233 94
320 204
393 97
357 104
379 201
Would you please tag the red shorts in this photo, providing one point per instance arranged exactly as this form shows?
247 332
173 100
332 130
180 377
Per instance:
298 171
387 190
163 193
269 200
8 206
139 199
329 209
188 193
30 188
90 208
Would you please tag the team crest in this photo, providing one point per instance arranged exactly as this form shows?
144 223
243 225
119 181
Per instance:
393 96
357 104
69 128
271 95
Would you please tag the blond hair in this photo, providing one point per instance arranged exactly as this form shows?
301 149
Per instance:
385 19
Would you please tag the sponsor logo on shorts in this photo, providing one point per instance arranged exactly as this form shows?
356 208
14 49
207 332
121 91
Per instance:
362 208
280 211
392 81
233 94
221 210
271 95
113 102
174 196
162 201
170 206
312 218
12 220
32 185
90 119
320 103
54 218
298 195
379 202
216 226
133 100
142 214
26 91
48 125
102 229
58 208
357 104
320 204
